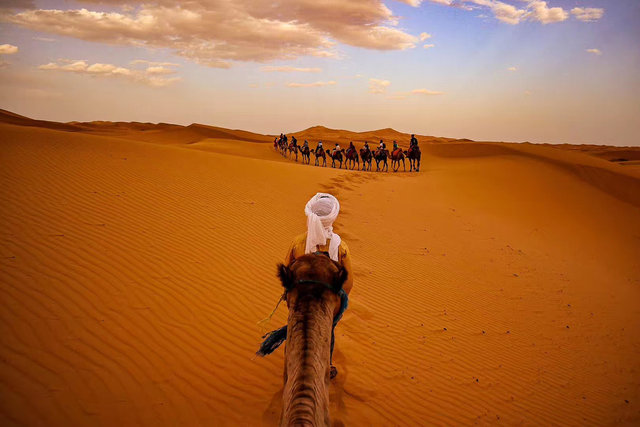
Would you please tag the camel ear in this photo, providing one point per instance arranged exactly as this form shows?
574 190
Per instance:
340 278
286 276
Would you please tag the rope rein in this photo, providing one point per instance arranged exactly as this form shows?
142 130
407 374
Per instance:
267 319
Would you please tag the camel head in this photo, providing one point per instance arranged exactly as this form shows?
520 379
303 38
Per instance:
312 275
312 283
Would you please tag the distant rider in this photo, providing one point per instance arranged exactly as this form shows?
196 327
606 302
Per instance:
351 147
413 145
319 147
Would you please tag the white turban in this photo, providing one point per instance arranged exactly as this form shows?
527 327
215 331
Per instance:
322 210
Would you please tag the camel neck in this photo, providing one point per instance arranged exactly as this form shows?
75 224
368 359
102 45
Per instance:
306 391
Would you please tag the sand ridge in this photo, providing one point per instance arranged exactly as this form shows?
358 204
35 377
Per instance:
498 285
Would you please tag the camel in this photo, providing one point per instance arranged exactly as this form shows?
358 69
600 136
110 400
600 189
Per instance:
381 155
336 156
396 156
319 153
306 158
314 295
414 155
293 149
366 156
283 148
351 158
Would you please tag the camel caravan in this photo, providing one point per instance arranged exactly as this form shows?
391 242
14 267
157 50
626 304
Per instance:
316 277
351 158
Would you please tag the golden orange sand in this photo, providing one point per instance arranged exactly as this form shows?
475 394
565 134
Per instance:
500 285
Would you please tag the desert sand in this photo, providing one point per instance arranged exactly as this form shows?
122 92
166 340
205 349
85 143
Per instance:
499 285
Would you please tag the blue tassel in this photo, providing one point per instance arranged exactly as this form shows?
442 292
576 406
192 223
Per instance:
273 340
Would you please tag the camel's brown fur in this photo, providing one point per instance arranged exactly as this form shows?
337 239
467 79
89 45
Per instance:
312 307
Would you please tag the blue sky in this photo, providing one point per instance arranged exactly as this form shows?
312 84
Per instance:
512 70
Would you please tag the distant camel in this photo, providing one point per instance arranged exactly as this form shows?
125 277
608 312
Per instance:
366 156
304 150
314 295
351 158
293 149
396 156
381 155
414 155
319 153
336 156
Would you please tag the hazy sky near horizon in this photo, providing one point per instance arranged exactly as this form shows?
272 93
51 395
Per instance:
510 70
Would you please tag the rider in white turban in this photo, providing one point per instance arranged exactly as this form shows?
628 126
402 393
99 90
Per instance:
321 211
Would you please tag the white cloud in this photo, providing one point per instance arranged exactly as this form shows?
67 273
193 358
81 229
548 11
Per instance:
378 85
220 33
44 39
155 77
8 49
287 69
507 13
587 14
502 11
95 68
539 11
426 92
532 10
414 3
314 84
424 36
512 69
158 69
69 65
428 46
594 51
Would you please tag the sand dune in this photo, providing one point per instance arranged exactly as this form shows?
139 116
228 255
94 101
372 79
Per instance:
500 285
16 119
343 137
623 183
